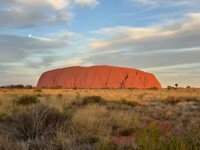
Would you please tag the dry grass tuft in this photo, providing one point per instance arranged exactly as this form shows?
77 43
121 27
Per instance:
39 123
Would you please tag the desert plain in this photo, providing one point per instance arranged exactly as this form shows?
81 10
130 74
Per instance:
100 119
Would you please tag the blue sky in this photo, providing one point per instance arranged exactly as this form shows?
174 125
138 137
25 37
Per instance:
157 36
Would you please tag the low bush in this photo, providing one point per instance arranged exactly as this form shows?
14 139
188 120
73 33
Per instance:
37 90
172 100
126 132
125 102
93 99
105 146
2 115
175 100
26 100
154 88
59 96
192 99
39 95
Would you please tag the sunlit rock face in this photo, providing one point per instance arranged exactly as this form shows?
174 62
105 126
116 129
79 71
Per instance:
97 77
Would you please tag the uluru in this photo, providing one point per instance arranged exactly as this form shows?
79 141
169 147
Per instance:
97 77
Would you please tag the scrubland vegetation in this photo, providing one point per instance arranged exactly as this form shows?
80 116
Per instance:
99 119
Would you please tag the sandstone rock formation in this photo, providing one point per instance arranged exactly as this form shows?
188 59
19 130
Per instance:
97 77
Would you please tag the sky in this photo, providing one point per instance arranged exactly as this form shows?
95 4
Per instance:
157 36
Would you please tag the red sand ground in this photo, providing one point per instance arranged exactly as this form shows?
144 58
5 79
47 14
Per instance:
97 77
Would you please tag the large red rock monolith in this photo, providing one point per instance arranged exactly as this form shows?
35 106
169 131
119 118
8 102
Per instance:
97 77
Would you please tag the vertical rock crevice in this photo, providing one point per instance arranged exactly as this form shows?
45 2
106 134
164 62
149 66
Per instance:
122 84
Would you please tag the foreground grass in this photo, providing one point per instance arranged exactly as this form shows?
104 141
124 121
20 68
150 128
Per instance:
99 119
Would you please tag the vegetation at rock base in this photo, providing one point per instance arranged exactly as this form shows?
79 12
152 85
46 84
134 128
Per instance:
99 119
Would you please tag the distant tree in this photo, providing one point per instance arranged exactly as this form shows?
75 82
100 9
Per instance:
176 85
188 87
20 86
28 87
169 87
11 86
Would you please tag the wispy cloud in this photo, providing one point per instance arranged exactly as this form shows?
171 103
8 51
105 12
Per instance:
86 3
145 2
18 48
164 3
178 35
28 56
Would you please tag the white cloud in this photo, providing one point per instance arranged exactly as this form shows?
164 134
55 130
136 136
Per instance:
87 3
55 4
32 13
58 4
178 35
37 13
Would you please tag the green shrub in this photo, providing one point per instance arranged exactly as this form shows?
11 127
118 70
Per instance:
75 88
191 99
26 100
39 95
187 140
126 132
125 102
172 100
105 146
175 100
90 139
93 99
154 88
37 90
149 138
2 115
59 96
141 96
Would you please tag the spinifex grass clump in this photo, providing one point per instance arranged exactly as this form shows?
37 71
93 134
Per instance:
192 99
128 103
149 138
93 99
172 100
175 100
26 100
39 123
